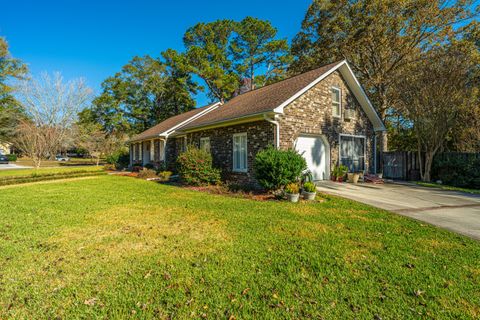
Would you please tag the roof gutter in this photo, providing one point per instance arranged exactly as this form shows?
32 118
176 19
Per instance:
277 128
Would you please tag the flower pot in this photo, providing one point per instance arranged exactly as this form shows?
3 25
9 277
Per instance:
293 197
339 179
309 195
353 177
380 175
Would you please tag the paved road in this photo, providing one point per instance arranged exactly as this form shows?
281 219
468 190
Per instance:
455 211
11 166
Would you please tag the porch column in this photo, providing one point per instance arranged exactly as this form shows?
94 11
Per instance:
140 154
161 149
152 150
131 153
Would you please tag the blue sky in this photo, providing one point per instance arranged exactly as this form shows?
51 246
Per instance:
94 39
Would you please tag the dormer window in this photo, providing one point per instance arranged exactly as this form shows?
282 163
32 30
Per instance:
336 102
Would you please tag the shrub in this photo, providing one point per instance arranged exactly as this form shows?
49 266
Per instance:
164 175
457 170
120 158
147 174
109 167
137 168
195 167
277 168
292 188
11 157
340 171
150 166
309 187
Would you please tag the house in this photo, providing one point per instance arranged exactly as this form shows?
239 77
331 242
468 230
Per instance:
5 148
324 114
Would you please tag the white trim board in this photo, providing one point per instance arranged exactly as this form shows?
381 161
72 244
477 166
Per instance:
192 118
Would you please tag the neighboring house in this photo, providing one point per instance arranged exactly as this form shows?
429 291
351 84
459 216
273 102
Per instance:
323 113
5 148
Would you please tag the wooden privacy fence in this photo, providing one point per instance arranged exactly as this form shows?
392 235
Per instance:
401 165
405 165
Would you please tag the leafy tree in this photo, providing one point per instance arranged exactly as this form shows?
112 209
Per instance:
466 135
255 48
435 96
379 38
98 143
207 56
223 52
10 111
145 92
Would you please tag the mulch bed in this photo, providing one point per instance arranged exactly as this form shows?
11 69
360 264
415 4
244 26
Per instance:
256 195
222 190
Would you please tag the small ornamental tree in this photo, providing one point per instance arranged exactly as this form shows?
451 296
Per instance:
195 167
276 168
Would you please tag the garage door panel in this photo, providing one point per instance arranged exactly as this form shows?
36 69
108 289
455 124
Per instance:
315 152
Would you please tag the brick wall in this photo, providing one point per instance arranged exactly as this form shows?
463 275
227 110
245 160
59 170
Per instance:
312 114
259 135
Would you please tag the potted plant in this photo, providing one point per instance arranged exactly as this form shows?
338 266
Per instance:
309 190
342 170
353 177
292 192
334 174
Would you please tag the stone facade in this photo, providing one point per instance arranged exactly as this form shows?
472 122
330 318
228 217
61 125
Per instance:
312 114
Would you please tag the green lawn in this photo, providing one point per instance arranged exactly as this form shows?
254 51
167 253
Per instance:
40 171
117 247
449 188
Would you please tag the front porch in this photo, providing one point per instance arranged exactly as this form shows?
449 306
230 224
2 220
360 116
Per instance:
147 151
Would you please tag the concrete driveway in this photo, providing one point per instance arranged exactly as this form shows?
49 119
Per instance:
455 211
11 166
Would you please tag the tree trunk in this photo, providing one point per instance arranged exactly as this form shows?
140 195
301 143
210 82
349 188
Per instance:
37 162
420 162
384 134
428 167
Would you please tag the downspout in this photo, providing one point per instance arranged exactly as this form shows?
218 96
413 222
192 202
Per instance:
277 129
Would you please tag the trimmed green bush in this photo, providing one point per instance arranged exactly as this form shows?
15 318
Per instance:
195 167
150 166
457 171
275 169
121 159
11 157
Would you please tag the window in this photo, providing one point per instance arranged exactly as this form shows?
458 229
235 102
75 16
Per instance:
336 102
205 144
352 152
240 152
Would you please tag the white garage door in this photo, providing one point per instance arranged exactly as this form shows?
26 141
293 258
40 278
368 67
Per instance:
315 152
